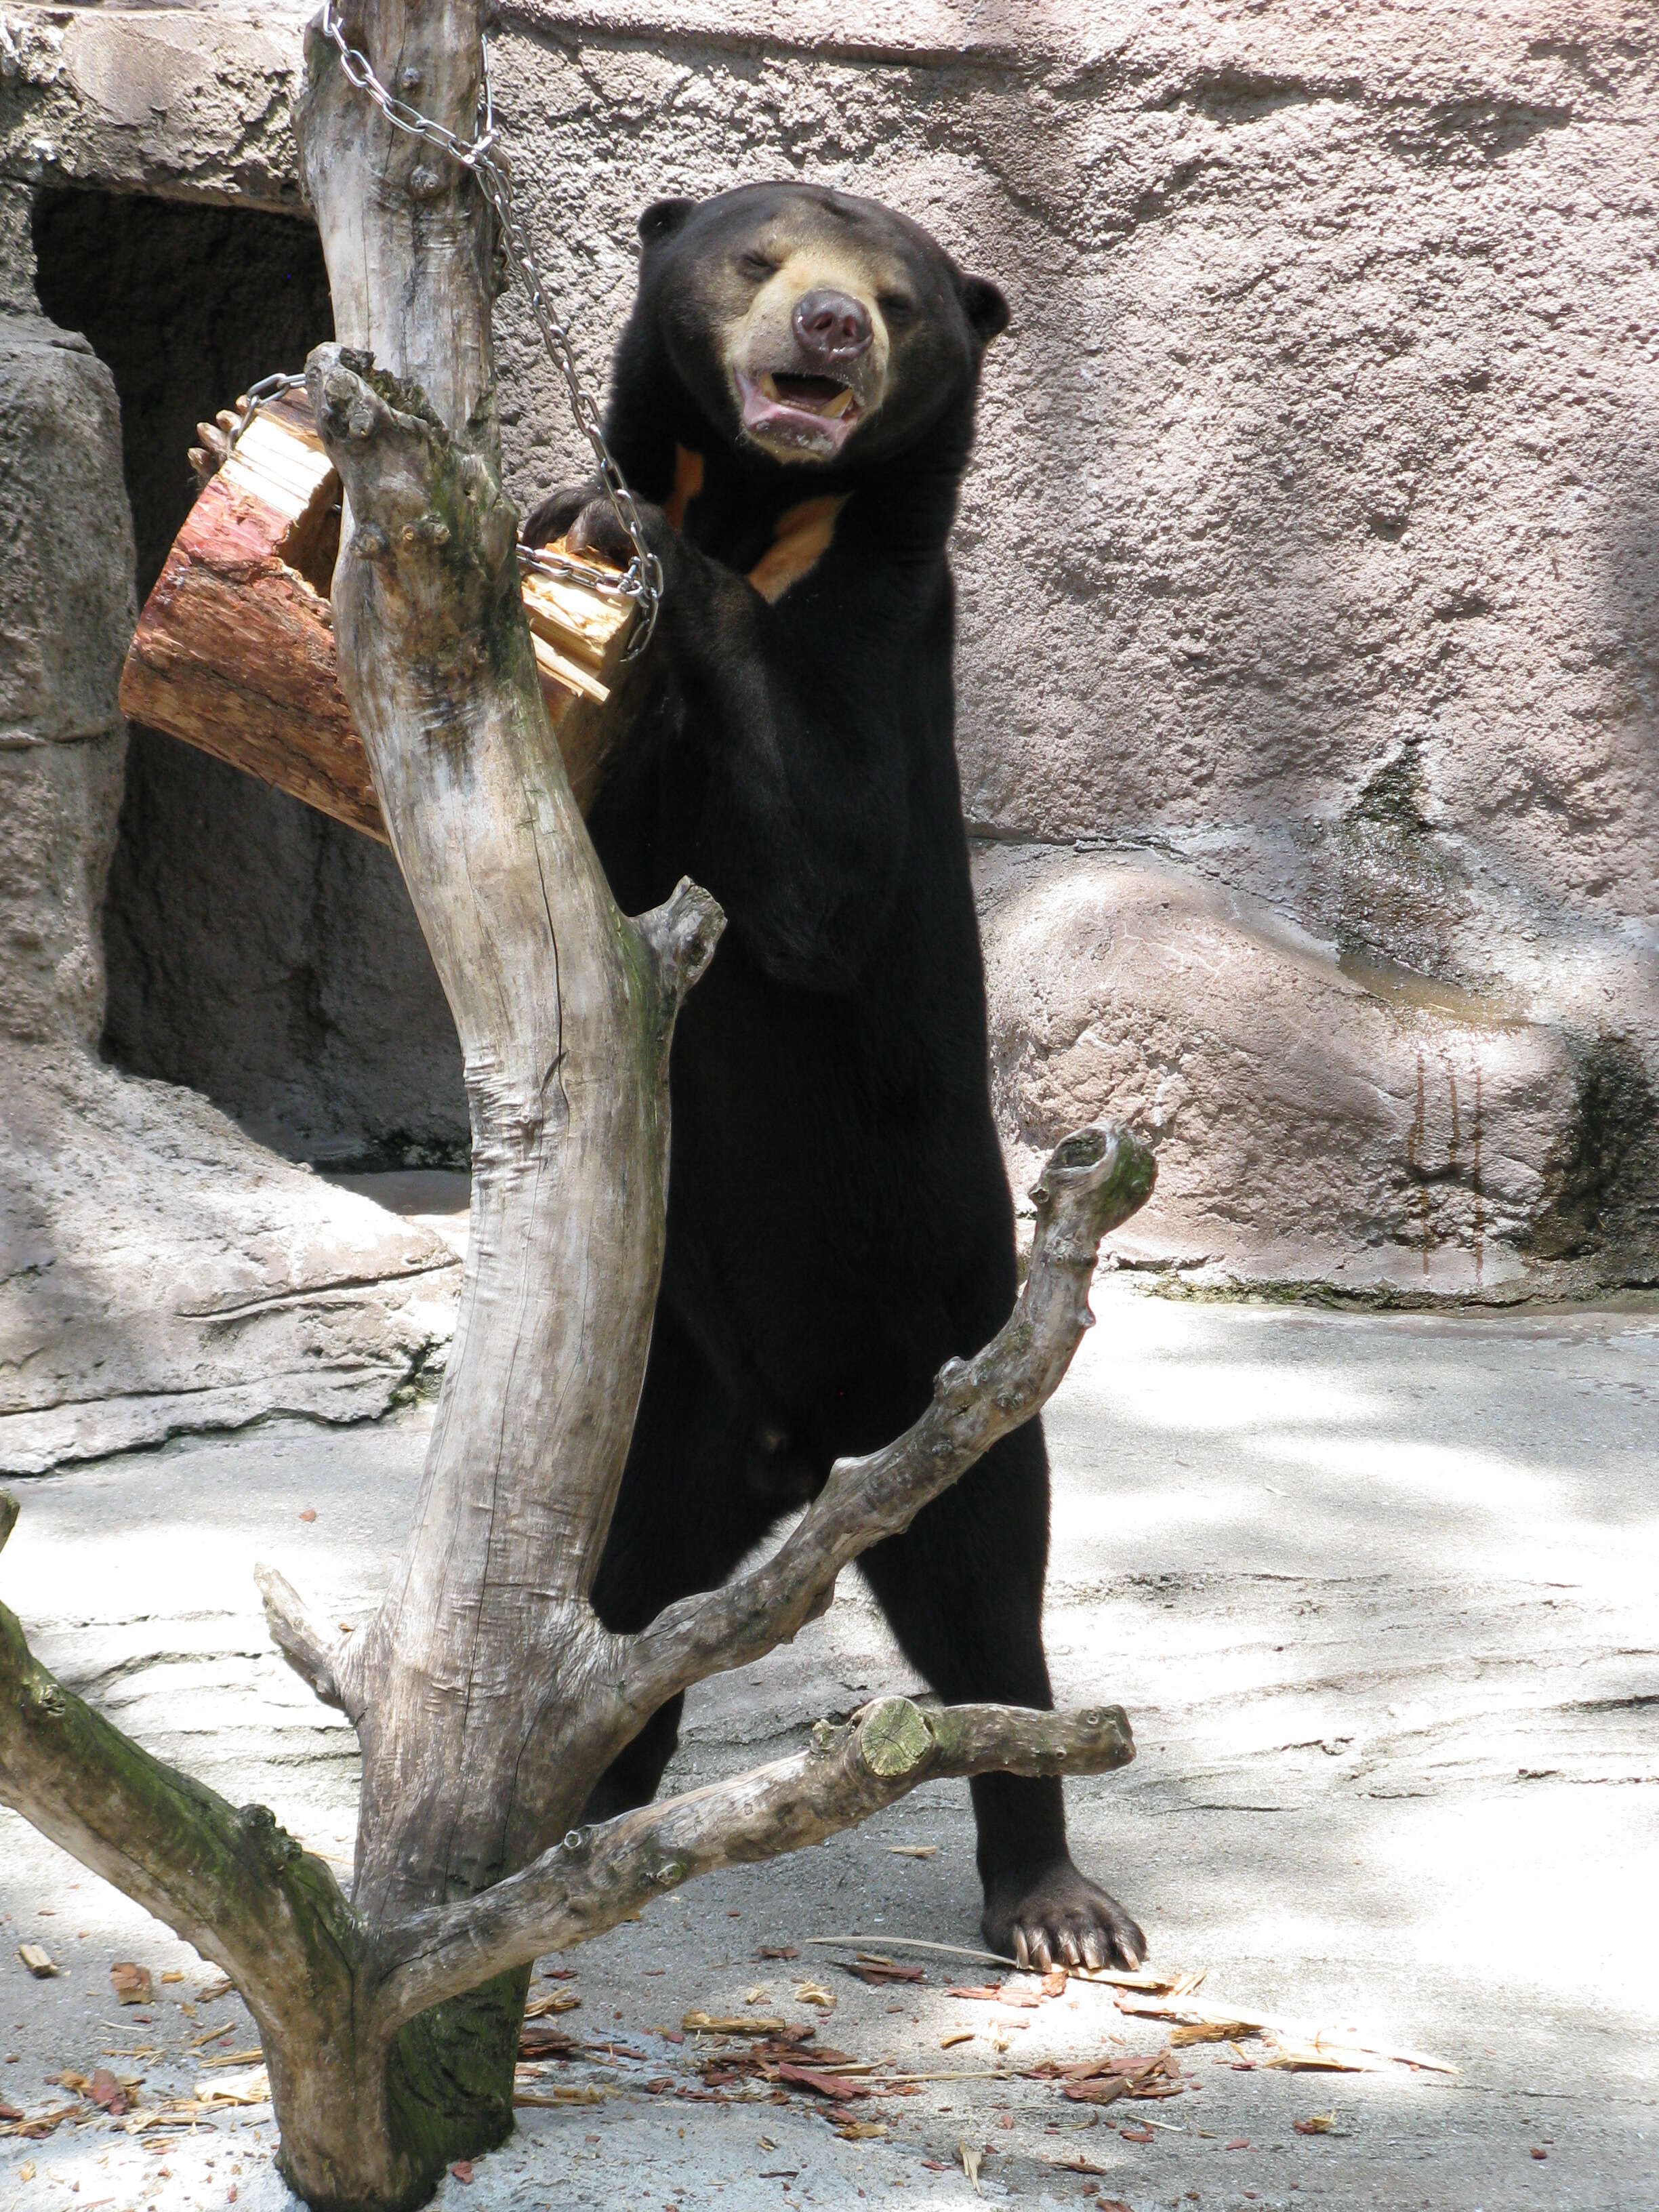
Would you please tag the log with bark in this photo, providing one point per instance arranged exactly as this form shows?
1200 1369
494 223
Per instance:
235 650
487 1697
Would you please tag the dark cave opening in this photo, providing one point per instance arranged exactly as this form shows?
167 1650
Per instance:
256 952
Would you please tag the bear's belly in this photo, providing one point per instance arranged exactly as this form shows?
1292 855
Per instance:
839 1219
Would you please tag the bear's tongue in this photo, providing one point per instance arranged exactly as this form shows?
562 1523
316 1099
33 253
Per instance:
820 395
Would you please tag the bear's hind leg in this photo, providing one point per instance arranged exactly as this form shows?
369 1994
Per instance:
962 1590
684 1518
635 1775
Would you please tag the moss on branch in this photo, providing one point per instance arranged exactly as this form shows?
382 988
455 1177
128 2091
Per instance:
232 1883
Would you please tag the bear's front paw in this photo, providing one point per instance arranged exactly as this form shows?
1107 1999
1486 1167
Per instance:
599 529
1058 1918
554 515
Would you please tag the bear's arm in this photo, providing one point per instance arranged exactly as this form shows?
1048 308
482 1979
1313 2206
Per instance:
799 714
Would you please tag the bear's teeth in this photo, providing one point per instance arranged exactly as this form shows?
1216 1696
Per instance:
802 403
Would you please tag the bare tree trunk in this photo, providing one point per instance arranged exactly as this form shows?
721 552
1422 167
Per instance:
563 1007
487 1696
389 2033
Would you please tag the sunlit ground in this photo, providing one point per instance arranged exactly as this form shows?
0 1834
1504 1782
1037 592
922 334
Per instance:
1378 1593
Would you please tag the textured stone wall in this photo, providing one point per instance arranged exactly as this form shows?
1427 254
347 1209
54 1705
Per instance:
158 1270
1308 567
256 952
61 741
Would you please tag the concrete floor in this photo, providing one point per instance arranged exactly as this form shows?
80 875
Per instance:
1379 1595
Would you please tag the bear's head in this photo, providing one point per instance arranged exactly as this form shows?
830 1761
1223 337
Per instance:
811 326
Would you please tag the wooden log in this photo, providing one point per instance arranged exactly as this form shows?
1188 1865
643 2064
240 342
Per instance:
234 651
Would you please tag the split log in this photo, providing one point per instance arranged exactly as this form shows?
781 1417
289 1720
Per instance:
235 651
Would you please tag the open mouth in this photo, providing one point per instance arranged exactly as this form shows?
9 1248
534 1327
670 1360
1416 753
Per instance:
812 415
820 395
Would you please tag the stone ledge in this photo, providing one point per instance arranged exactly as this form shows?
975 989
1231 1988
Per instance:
160 1273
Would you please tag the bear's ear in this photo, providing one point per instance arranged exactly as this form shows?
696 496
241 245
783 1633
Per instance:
662 219
986 309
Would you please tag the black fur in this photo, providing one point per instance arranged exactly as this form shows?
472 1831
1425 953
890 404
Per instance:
839 1222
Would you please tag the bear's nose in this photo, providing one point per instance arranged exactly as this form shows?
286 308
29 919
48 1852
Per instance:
832 325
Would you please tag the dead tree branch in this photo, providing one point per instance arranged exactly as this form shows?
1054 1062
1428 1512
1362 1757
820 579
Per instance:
1094 1181
319 1980
316 1655
599 1876
564 1008
229 1881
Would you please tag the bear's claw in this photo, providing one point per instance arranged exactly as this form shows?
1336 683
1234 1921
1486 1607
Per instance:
1058 1917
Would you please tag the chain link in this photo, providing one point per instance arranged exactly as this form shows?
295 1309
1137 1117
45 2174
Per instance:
261 395
642 581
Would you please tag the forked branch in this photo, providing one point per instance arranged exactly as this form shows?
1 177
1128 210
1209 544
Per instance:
320 1655
1092 1182
601 1875
246 1895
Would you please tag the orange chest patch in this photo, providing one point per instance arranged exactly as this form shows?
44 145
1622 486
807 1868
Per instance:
802 537
688 482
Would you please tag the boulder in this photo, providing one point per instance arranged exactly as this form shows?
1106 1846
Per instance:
1327 1122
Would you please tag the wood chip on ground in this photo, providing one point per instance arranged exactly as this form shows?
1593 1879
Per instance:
552 2001
877 1972
133 1984
1325 2049
836 2086
536 2041
33 2125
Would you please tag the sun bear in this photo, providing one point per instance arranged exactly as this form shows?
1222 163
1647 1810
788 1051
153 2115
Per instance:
793 403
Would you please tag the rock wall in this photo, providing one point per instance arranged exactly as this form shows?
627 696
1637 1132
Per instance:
256 952
61 742
1308 637
158 1270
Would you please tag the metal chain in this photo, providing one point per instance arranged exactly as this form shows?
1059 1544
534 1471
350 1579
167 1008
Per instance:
642 581
261 395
